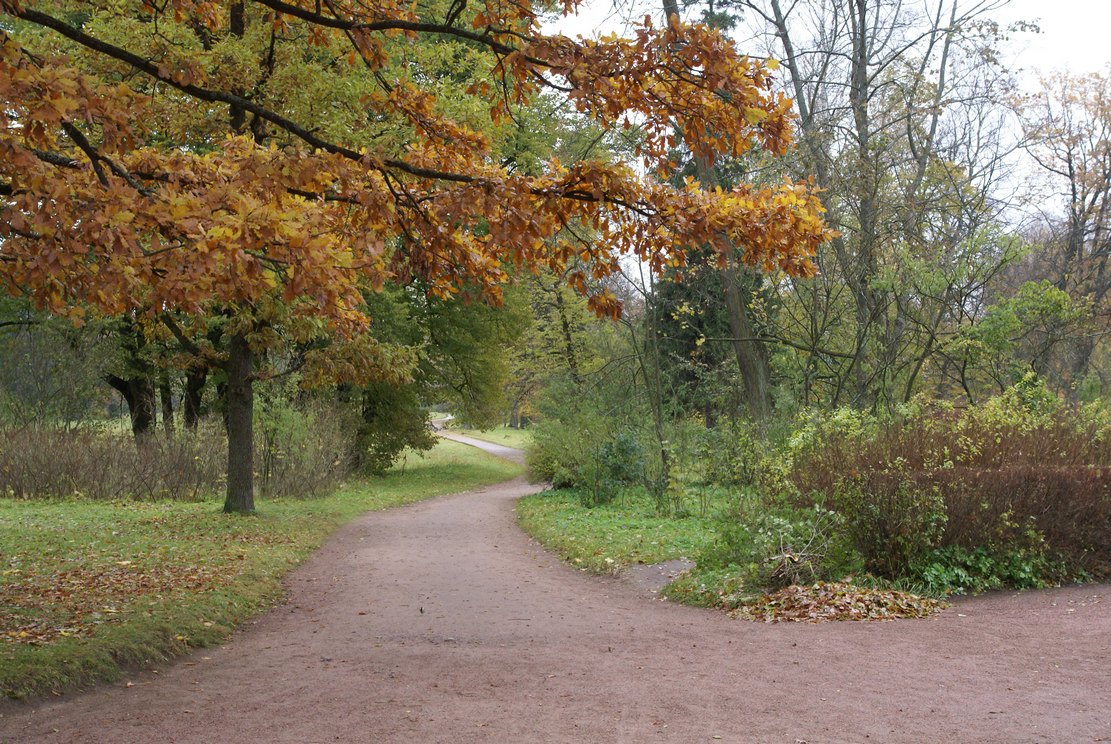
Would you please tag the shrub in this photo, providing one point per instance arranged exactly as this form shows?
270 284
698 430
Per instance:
617 463
773 547
302 448
735 455
956 569
557 453
391 420
48 463
1003 478
893 521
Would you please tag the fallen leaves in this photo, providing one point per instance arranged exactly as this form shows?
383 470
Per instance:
827 601
42 607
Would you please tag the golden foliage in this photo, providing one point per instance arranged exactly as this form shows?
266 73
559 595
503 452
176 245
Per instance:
103 202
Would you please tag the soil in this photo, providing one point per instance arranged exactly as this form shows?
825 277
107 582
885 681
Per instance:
442 622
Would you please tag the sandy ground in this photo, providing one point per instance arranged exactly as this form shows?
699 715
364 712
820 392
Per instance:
442 622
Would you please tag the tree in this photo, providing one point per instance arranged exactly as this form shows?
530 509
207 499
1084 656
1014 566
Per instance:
346 169
1067 126
50 372
900 108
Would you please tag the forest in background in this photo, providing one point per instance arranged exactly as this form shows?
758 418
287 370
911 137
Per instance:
961 301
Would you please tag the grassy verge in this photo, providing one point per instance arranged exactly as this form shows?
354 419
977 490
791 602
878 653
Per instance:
503 435
87 588
606 538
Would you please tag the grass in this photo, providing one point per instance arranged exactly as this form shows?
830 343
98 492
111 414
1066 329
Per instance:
516 438
90 588
607 538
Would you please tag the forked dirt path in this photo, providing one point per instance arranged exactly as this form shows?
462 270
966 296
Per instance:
442 622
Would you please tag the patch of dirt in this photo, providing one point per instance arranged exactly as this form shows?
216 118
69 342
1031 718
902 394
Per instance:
442 622
653 577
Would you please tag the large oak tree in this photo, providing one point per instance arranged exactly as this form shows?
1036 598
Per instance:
276 159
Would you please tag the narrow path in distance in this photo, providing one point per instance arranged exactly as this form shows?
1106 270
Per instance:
498 450
442 622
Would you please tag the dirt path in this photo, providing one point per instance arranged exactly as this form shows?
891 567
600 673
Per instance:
442 622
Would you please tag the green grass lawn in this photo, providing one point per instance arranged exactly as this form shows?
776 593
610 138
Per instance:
518 438
606 538
89 587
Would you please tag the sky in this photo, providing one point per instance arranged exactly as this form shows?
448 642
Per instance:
1075 34
1073 38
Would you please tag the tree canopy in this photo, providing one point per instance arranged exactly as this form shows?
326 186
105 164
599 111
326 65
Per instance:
272 162
121 192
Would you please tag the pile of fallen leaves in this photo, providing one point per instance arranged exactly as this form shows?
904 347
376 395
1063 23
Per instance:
826 601
40 607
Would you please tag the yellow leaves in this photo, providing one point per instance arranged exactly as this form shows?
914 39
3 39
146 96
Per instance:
281 225
123 217
755 116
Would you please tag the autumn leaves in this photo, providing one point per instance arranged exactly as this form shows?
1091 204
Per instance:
105 210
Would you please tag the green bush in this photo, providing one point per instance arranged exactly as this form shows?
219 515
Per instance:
558 453
774 547
954 569
391 420
302 447
617 463
733 455
894 522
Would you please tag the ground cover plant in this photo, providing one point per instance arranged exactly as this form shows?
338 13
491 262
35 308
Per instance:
88 587
849 515
606 538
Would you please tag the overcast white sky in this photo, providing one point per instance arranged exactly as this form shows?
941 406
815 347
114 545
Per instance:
1075 34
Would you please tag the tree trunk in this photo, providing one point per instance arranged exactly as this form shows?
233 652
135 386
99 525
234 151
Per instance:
166 398
138 392
752 356
239 415
568 339
194 391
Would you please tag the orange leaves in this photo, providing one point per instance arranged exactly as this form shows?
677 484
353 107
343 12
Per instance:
38 97
310 213
685 77
439 142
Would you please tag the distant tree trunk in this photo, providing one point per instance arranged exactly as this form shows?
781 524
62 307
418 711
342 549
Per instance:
752 356
191 404
138 392
709 416
166 398
239 416
568 339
